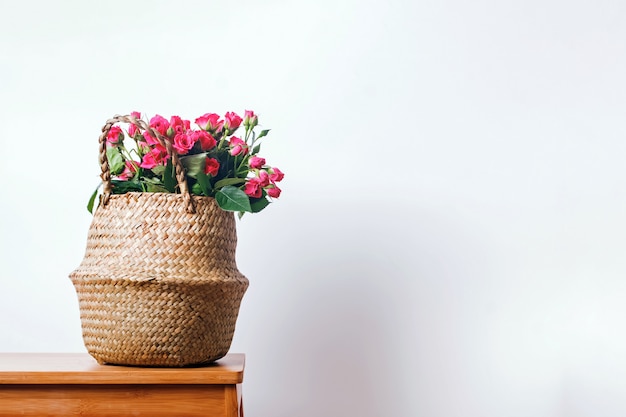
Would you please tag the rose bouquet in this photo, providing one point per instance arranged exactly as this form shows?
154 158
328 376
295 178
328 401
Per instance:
216 162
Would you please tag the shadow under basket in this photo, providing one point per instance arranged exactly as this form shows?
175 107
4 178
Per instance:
159 286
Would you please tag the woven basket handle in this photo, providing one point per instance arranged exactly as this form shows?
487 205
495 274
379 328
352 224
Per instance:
164 141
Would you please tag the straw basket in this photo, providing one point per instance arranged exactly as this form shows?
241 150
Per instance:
158 285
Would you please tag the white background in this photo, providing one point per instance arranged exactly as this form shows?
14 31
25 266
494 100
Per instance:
450 240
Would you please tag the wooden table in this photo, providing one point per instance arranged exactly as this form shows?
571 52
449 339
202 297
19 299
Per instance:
74 384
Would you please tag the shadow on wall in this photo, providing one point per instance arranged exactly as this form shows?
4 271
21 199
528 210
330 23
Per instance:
334 302
379 313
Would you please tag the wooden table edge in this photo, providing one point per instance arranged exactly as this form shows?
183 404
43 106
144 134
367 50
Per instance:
81 368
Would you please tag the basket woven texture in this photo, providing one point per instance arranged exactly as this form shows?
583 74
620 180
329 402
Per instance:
158 285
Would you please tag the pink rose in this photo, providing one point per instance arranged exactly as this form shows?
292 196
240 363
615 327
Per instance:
183 143
238 146
177 125
157 156
232 121
211 166
207 141
264 178
115 135
253 188
276 175
132 129
273 192
210 122
256 163
161 151
129 171
150 140
160 124
150 160
250 119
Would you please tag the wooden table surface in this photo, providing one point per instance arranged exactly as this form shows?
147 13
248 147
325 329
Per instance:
74 384
80 368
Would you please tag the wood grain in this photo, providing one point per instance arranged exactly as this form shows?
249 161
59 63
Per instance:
75 385
80 368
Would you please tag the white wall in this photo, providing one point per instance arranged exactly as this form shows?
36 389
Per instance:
451 234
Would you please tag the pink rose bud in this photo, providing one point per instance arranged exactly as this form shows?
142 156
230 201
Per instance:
115 135
264 179
238 146
232 121
256 163
160 124
211 166
250 119
210 122
203 122
273 192
276 175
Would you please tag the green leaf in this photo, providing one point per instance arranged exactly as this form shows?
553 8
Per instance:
205 184
92 199
152 180
116 161
158 170
194 164
263 133
232 198
156 188
169 178
121 187
258 204
243 171
196 189
256 149
229 181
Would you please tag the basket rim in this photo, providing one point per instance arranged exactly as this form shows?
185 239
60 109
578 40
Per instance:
161 194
